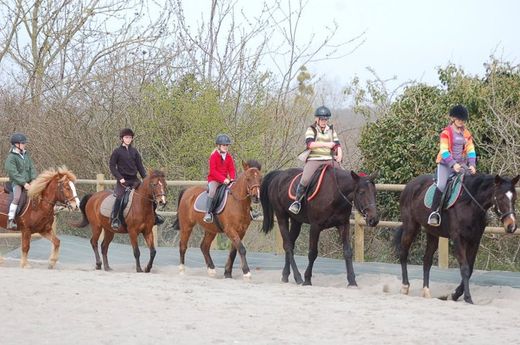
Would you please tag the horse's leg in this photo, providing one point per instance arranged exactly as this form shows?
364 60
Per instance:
344 231
109 235
432 243
409 233
185 230
239 246
26 245
465 271
55 251
229 263
294 232
148 237
96 232
314 237
135 247
205 246
471 251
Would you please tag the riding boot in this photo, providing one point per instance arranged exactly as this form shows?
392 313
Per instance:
208 217
297 204
435 217
11 225
116 221
158 219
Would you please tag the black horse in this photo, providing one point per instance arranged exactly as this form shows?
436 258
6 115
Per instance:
331 207
464 223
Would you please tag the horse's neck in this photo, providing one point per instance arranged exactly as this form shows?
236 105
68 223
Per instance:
482 191
144 193
239 190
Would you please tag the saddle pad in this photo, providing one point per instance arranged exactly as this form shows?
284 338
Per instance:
107 205
454 190
316 186
200 203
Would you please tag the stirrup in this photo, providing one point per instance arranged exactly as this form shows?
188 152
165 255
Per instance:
295 207
434 219
11 225
208 218
115 224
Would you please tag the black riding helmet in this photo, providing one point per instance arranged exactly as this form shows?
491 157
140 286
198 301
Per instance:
322 112
223 139
126 131
18 138
459 112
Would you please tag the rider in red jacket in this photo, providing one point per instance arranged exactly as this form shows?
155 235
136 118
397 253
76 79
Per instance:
221 170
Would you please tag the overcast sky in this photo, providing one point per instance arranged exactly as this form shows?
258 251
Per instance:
410 38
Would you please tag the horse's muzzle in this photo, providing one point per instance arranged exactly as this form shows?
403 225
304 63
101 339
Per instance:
372 221
511 228
255 199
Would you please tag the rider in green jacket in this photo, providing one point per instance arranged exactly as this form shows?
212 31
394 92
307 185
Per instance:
20 169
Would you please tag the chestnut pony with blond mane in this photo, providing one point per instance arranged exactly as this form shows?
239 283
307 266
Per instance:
51 188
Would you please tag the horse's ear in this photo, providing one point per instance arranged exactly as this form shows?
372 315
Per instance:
498 179
245 165
372 177
514 181
354 176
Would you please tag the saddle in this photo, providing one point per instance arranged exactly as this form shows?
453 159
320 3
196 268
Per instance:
219 201
314 186
108 203
450 195
6 197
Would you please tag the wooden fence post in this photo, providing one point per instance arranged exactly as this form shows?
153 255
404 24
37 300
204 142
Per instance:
443 252
359 238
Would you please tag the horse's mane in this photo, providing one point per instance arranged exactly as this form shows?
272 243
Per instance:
157 173
41 182
477 182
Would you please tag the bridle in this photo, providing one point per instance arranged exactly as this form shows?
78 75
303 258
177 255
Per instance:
354 202
499 213
61 196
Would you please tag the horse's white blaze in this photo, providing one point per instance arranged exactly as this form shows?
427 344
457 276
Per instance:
74 193
509 195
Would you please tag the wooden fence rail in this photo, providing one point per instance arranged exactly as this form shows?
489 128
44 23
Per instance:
358 222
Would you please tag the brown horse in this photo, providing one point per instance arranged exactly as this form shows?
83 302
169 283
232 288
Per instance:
51 188
140 218
234 219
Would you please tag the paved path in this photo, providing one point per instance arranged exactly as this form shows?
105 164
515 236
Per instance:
76 250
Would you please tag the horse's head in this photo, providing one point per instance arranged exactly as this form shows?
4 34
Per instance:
157 182
253 178
504 199
66 191
365 197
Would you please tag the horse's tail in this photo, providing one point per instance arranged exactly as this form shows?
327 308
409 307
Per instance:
175 225
398 234
84 221
268 222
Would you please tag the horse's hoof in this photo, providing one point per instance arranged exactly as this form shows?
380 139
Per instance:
352 286
247 276
426 293
182 270
405 289
147 270
108 269
98 266
228 275
305 283
51 266
454 297
284 279
212 272
468 300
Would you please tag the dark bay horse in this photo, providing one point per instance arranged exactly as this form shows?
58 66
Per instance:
140 218
331 207
464 223
234 219
51 188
